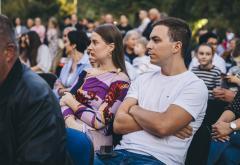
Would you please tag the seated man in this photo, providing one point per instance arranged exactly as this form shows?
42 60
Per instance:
31 125
225 146
160 104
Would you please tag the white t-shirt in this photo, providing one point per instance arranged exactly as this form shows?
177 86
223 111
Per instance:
143 65
132 73
157 92
217 61
143 25
44 60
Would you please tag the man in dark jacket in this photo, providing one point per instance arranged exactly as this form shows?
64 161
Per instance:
32 129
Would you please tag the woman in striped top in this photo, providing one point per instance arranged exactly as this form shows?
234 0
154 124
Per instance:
210 74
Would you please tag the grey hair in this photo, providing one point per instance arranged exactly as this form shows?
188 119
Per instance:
129 34
6 30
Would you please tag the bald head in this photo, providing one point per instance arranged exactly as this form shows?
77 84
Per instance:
154 14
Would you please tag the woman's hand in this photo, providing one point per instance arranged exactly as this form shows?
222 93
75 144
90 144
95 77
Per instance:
60 88
61 91
68 100
72 123
221 130
223 94
233 79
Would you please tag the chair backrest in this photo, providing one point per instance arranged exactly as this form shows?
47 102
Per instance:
50 78
80 147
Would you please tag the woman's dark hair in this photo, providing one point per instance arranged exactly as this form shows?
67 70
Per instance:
80 39
34 44
23 51
111 34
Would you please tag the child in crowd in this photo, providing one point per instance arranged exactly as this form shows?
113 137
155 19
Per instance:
210 74
142 62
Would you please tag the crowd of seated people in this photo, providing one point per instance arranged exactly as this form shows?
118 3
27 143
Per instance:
133 83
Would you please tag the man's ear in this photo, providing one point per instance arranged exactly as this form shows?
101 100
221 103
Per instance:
10 52
177 47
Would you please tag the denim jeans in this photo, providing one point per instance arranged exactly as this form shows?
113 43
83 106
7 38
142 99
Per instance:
79 147
225 152
124 157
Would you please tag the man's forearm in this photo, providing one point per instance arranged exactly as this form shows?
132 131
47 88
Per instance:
125 123
146 119
161 124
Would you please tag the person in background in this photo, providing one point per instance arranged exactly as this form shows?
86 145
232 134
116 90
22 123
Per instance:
210 74
23 50
30 23
228 54
76 43
232 77
32 127
19 28
154 15
129 42
39 54
61 58
108 18
39 28
143 16
90 27
142 62
218 61
52 36
124 26
75 23
235 70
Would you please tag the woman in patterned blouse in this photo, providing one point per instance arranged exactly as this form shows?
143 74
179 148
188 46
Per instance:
102 90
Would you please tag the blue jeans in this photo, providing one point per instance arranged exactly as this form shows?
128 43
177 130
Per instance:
124 157
225 152
79 147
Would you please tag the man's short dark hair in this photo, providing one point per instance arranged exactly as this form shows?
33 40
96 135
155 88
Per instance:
178 30
204 38
7 34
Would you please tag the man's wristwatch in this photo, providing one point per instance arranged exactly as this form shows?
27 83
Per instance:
233 126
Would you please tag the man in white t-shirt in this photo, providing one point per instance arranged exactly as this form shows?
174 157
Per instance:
160 106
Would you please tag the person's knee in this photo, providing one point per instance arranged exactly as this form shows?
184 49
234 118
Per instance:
231 156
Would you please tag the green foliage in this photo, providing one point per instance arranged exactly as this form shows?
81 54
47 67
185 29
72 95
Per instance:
220 13
30 8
